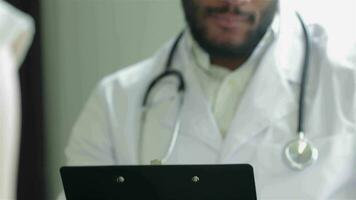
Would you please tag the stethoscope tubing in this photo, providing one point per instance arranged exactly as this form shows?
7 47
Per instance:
168 71
304 78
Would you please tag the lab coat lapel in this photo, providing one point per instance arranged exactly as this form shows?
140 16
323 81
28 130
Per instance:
269 96
198 121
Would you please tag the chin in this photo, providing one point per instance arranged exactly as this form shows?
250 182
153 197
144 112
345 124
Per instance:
234 37
227 39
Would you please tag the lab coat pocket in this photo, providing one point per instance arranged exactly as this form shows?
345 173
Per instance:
331 175
336 161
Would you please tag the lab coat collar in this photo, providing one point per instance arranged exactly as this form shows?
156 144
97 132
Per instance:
290 43
270 96
197 118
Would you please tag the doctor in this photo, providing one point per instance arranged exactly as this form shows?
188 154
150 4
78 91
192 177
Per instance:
242 63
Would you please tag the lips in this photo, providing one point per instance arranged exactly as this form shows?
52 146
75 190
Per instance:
229 20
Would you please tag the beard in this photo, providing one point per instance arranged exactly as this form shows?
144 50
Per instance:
227 50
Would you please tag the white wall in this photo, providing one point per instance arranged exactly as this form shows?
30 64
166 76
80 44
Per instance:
85 40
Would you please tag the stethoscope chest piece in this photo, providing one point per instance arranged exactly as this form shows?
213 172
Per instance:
300 153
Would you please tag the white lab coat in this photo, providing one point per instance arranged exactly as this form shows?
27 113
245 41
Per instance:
107 132
16 32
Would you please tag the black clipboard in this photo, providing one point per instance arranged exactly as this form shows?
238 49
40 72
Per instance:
163 182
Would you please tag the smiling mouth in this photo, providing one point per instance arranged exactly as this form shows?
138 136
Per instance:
229 18
230 21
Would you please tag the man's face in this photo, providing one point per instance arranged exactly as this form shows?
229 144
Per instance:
229 28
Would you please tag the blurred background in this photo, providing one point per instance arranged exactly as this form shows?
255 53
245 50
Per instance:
85 40
80 41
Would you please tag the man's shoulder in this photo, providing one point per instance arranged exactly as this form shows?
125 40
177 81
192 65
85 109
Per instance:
126 78
332 49
130 74
138 73
335 60
13 21
16 30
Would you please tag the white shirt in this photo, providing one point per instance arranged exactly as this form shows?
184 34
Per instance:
224 88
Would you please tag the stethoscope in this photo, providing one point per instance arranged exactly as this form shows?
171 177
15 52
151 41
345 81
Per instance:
298 153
